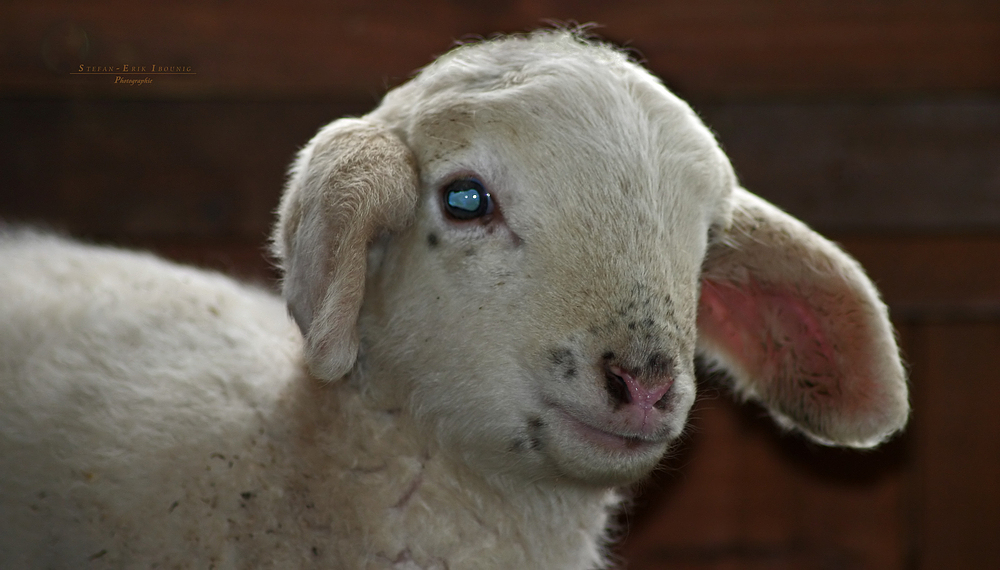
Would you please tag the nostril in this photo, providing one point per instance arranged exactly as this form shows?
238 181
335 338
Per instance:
625 390
617 389
662 403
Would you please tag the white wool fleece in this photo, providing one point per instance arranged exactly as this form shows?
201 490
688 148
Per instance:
498 282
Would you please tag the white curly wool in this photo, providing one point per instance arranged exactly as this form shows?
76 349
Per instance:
449 393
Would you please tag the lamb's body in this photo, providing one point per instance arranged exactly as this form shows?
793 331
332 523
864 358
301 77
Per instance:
499 280
222 448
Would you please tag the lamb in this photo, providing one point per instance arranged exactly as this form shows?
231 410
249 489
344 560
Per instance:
498 282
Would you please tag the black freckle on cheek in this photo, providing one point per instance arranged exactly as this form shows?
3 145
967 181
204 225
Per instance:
535 426
631 326
518 445
560 355
565 360
432 240
469 252
608 355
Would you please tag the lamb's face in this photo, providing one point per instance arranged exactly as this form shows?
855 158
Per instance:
535 213
551 330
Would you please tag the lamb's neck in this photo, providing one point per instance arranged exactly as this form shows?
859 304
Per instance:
376 476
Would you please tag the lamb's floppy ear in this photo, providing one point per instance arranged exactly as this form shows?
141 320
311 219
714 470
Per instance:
353 181
800 328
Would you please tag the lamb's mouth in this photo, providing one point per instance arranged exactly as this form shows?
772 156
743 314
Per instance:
610 441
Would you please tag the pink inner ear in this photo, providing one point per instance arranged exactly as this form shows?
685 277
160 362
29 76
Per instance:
775 335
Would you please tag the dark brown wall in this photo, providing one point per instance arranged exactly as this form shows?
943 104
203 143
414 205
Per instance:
877 121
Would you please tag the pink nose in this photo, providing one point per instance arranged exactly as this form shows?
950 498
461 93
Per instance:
625 390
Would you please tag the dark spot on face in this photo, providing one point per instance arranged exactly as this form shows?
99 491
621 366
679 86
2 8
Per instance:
561 356
659 364
564 361
631 326
608 355
469 252
247 495
518 445
432 240
535 426
98 554
315 551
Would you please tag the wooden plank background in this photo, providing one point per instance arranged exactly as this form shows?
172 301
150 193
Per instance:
348 49
877 121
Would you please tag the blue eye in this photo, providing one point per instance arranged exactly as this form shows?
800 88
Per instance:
466 199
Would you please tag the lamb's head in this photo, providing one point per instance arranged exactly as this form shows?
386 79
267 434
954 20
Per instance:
531 240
